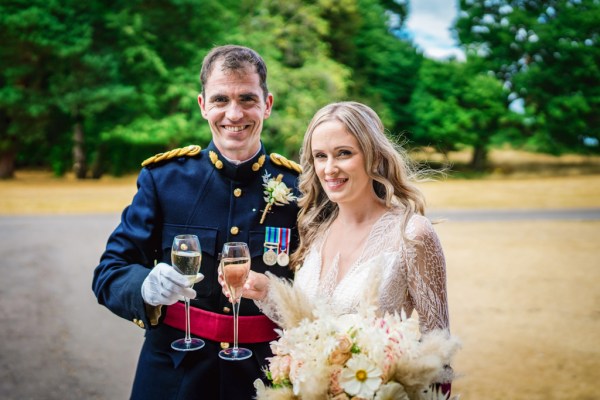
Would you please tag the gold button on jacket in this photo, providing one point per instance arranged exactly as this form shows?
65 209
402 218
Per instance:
234 230
237 192
224 345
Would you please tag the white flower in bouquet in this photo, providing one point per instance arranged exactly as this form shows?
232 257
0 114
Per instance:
360 377
391 391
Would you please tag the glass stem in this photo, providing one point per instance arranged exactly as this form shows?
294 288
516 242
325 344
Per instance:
188 338
236 311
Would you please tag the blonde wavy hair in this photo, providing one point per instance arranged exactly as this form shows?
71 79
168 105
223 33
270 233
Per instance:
386 163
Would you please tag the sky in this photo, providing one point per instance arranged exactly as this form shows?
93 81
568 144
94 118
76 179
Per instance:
429 22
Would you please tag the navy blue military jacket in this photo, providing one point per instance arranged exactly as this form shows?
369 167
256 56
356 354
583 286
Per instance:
203 195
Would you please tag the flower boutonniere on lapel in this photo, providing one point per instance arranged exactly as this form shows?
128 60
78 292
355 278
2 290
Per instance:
276 193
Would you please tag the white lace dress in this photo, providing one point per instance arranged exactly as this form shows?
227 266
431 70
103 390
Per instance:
411 273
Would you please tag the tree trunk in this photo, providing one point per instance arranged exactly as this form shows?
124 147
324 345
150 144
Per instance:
7 164
479 160
97 166
8 146
79 159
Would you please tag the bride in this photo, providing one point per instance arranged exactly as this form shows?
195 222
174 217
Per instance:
359 204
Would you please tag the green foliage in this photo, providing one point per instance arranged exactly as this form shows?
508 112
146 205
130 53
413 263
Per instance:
126 73
34 35
436 106
299 94
455 106
548 52
384 68
105 84
302 77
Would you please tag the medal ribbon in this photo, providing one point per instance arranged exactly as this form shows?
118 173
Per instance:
284 243
271 238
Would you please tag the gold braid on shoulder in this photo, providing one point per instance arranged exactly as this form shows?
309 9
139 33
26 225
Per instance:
188 151
278 159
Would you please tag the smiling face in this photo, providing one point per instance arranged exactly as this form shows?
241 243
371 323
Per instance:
339 164
235 107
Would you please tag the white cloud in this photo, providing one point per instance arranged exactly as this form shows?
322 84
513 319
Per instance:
429 23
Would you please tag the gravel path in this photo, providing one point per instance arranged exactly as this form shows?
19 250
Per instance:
56 342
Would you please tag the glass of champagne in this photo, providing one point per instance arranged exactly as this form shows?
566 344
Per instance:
186 256
235 267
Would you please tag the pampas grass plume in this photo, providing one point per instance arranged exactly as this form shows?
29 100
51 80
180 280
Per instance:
293 305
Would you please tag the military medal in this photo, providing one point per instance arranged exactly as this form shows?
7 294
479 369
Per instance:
271 245
270 257
283 257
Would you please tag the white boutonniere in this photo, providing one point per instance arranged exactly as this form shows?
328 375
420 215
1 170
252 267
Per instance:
276 193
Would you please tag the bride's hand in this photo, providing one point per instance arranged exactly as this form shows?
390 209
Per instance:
255 288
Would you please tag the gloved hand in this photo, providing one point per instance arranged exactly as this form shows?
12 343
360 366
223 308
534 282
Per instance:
164 285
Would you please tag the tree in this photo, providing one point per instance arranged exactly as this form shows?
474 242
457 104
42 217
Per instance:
456 106
33 35
322 51
87 82
161 45
102 84
547 52
363 36
302 76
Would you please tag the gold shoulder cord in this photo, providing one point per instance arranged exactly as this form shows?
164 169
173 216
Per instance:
187 151
278 159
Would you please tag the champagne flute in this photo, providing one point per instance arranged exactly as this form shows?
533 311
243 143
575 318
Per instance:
235 267
186 256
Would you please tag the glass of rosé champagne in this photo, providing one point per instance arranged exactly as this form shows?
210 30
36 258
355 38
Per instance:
235 267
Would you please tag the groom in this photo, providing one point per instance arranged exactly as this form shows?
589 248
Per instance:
217 194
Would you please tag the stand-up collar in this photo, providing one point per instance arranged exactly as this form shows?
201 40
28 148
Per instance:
241 172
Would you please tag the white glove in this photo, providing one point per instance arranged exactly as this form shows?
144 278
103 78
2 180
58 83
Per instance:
164 285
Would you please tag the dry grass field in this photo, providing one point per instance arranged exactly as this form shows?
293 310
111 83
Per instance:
520 180
33 193
524 295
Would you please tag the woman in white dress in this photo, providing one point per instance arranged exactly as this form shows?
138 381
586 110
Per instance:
359 205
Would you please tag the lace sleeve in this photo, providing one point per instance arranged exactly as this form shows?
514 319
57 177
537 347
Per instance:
426 275
269 308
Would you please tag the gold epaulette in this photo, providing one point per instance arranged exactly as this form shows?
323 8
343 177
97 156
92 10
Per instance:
188 151
278 159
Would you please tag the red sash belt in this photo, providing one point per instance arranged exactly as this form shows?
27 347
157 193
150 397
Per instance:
219 327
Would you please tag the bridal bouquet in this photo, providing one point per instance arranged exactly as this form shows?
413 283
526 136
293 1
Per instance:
321 355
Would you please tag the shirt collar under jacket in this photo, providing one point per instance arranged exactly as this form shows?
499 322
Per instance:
245 171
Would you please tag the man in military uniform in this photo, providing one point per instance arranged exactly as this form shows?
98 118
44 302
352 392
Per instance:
217 194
